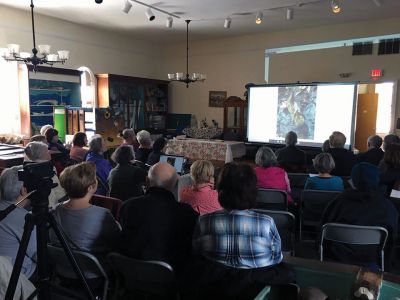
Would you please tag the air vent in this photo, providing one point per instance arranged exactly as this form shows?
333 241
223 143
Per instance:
362 48
389 46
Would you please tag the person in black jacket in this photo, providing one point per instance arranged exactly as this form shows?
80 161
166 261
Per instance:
291 158
391 173
155 226
154 156
366 206
344 159
374 153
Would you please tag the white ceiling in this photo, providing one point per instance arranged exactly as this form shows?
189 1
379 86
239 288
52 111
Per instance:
208 15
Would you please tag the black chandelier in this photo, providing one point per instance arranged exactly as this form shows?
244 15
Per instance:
11 53
179 76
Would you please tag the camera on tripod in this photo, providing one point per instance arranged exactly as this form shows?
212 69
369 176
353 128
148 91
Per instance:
33 174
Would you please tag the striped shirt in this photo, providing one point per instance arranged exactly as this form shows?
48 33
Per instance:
238 238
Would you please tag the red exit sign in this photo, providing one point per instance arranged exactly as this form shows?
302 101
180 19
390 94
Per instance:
376 73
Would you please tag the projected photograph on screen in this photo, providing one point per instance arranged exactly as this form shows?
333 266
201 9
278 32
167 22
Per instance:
313 111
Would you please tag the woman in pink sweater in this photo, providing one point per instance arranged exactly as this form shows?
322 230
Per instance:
269 175
201 196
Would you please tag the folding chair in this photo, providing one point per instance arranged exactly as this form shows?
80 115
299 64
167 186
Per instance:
286 224
312 206
89 264
113 204
354 235
272 199
139 278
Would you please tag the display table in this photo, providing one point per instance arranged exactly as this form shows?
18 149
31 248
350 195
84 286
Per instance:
206 149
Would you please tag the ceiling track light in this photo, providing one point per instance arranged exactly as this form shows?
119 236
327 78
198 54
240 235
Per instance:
259 17
335 7
127 6
169 22
227 23
150 15
289 14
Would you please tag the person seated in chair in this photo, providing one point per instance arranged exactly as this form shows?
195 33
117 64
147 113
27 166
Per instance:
387 141
366 206
344 159
144 139
269 175
201 196
87 227
158 147
12 227
291 158
240 249
38 152
324 164
129 136
78 153
55 145
391 173
126 179
374 154
97 147
155 226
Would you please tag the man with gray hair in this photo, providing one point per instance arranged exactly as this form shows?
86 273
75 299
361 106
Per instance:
12 227
155 226
291 158
374 154
144 139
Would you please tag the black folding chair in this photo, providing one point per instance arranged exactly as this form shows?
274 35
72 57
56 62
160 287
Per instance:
142 279
312 206
355 235
272 199
286 224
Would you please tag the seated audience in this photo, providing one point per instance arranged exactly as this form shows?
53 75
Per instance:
54 143
44 128
38 152
391 173
12 227
344 159
364 205
129 137
87 227
374 153
155 226
324 164
387 141
97 147
158 147
325 146
241 248
291 158
78 153
201 196
126 179
144 139
38 138
269 175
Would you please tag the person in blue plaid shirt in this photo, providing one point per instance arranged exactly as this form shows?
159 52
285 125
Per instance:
237 236
238 251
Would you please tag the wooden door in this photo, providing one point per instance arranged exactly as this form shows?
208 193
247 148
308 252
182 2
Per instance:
367 108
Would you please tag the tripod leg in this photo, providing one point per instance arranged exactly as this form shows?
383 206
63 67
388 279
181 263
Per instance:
71 258
28 227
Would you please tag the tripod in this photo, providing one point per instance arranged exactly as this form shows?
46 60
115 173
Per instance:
42 219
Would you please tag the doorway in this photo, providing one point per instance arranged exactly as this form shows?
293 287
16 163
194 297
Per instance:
375 111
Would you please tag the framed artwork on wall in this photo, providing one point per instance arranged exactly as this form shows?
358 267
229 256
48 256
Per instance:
216 98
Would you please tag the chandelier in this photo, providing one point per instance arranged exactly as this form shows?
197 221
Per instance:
179 76
11 53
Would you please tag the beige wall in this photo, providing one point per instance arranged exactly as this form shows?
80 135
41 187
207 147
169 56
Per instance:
231 63
100 50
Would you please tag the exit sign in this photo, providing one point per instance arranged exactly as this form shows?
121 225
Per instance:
376 73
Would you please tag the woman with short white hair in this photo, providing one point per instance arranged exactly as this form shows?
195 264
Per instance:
144 139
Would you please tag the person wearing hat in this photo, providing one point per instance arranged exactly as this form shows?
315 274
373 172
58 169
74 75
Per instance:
54 143
364 205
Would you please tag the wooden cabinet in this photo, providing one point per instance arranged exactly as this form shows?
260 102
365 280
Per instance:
235 118
142 102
